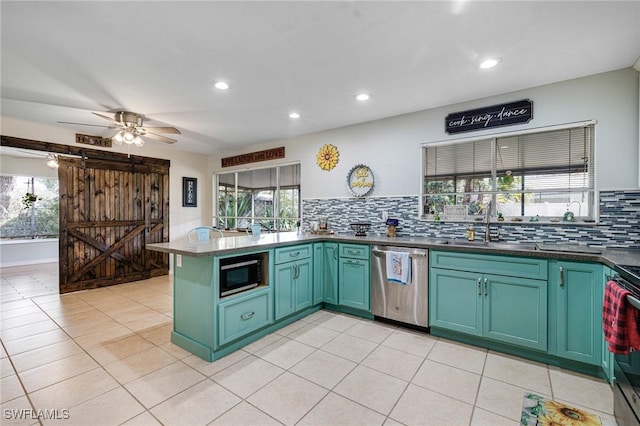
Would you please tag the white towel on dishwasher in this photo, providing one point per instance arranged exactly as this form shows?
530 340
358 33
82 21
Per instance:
398 267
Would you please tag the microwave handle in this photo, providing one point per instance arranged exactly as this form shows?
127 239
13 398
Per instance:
238 265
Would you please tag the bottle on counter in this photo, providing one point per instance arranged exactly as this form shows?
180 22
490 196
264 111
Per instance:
471 233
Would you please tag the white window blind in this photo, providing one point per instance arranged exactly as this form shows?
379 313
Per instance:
537 174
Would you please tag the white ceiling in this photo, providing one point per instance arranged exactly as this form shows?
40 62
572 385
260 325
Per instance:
63 60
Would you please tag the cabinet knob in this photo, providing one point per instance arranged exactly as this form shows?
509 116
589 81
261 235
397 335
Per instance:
561 277
479 287
486 290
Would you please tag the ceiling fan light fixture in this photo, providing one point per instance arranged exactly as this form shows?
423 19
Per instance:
118 139
128 136
138 141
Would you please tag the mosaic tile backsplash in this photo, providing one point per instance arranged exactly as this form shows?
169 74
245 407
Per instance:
619 225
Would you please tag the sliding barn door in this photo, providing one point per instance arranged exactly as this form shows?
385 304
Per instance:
109 212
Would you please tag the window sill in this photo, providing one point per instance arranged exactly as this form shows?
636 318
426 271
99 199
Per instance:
521 221
28 241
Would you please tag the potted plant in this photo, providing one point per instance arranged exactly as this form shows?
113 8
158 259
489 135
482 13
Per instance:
28 199
500 217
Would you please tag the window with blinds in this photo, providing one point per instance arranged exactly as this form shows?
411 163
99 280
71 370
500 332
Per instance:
266 196
536 175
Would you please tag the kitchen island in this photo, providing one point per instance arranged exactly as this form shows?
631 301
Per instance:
300 276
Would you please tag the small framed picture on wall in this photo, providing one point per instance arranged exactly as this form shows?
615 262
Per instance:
189 192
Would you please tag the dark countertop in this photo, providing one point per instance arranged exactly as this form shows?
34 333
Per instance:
230 245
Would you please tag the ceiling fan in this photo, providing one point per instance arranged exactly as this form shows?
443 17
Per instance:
132 129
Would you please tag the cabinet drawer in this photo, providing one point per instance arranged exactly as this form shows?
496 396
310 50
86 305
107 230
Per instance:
243 315
512 266
287 254
355 251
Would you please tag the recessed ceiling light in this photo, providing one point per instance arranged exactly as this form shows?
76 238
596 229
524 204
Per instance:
221 85
490 63
363 96
294 115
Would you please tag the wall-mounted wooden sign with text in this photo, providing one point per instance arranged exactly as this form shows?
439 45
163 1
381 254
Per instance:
492 116
253 157
93 140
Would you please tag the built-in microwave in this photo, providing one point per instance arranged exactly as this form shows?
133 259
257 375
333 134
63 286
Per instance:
240 273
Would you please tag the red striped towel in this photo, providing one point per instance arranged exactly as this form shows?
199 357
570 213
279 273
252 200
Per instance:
614 318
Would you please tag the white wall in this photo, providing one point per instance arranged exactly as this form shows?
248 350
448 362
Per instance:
391 146
28 252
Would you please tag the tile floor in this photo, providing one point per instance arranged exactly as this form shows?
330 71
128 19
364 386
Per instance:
104 357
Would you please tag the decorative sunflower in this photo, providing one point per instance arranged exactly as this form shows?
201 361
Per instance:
327 157
560 414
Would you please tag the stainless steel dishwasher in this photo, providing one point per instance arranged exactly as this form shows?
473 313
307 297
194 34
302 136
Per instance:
403 303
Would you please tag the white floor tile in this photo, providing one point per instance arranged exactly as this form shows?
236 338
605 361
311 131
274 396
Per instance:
288 398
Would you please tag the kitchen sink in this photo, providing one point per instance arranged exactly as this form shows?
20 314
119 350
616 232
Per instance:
493 244
569 248
467 243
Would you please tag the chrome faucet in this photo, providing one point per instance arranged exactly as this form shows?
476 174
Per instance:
579 206
487 225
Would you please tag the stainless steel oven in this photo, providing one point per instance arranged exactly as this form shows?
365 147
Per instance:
626 391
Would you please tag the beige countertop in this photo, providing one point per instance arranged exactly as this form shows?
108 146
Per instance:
230 245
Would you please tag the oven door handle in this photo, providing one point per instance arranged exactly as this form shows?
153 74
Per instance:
633 302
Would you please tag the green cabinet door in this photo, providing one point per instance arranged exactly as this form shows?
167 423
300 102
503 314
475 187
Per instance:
579 294
353 283
284 290
455 301
318 273
330 273
303 283
515 310
293 287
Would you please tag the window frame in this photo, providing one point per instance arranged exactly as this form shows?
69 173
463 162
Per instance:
36 211
592 216
237 189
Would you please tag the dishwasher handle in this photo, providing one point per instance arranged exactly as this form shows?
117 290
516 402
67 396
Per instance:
381 253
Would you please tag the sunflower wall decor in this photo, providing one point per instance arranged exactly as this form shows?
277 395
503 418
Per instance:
327 157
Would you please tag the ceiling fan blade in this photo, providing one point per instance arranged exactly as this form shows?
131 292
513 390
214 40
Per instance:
105 117
159 138
84 124
172 130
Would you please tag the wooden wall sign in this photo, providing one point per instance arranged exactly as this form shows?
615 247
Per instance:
253 157
93 140
492 116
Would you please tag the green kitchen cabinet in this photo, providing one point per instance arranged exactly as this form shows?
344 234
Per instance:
325 273
293 280
354 284
455 302
577 310
501 305
241 315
